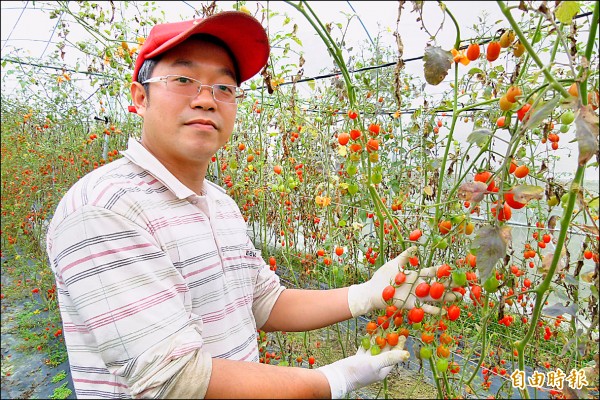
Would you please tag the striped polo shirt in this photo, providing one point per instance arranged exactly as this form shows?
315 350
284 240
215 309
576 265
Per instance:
148 273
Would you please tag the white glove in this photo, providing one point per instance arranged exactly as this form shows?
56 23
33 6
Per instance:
360 370
367 296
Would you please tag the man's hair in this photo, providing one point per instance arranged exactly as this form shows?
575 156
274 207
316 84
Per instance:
148 65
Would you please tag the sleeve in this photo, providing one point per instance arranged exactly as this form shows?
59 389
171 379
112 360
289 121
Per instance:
267 289
125 303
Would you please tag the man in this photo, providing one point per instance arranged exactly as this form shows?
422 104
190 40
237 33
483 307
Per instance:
161 291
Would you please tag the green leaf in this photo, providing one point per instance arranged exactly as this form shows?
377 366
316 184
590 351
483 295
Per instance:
489 246
311 84
474 71
480 137
566 10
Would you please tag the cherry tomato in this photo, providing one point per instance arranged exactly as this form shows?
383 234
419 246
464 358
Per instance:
392 338
365 343
436 290
388 293
491 284
416 315
453 312
415 235
427 338
443 271
400 278
473 51
523 111
493 51
459 278
442 365
422 289
510 200
425 352
343 138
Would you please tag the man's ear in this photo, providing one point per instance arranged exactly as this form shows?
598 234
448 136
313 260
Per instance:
139 97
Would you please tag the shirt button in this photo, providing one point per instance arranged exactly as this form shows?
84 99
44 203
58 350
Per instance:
194 202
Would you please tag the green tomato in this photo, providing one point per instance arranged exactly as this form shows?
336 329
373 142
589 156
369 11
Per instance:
375 350
352 188
442 365
553 201
459 278
376 177
441 243
564 199
425 353
567 117
351 169
491 284
417 326
366 343
564 128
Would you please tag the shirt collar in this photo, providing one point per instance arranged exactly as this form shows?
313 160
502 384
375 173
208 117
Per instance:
139 155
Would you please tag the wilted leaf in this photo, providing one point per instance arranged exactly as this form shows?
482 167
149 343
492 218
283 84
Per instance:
526 193
472 191
539 114
547 262
490 246
552 222
437 62
559 309
566 10
480 137
588 277
586 133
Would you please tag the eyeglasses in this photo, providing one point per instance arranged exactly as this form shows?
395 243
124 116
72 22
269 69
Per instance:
191 87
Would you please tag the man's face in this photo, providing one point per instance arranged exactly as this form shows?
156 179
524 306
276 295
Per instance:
186 132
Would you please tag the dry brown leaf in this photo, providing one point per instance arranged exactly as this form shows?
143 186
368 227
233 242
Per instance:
472 191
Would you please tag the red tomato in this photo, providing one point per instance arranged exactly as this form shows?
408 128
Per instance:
473 51
415 235
388 293
453 312
400 278
443 271
374 129
436 290
352 114
343 138
339 250
510 200
416 315
392 338
521 171
493 51
355 134
523 111
422 289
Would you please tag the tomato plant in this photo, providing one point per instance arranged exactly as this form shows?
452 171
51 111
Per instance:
337 175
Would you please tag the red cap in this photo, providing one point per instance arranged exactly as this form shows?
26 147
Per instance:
242 33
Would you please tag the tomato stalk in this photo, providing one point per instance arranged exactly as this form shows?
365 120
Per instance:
543 67
544 286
